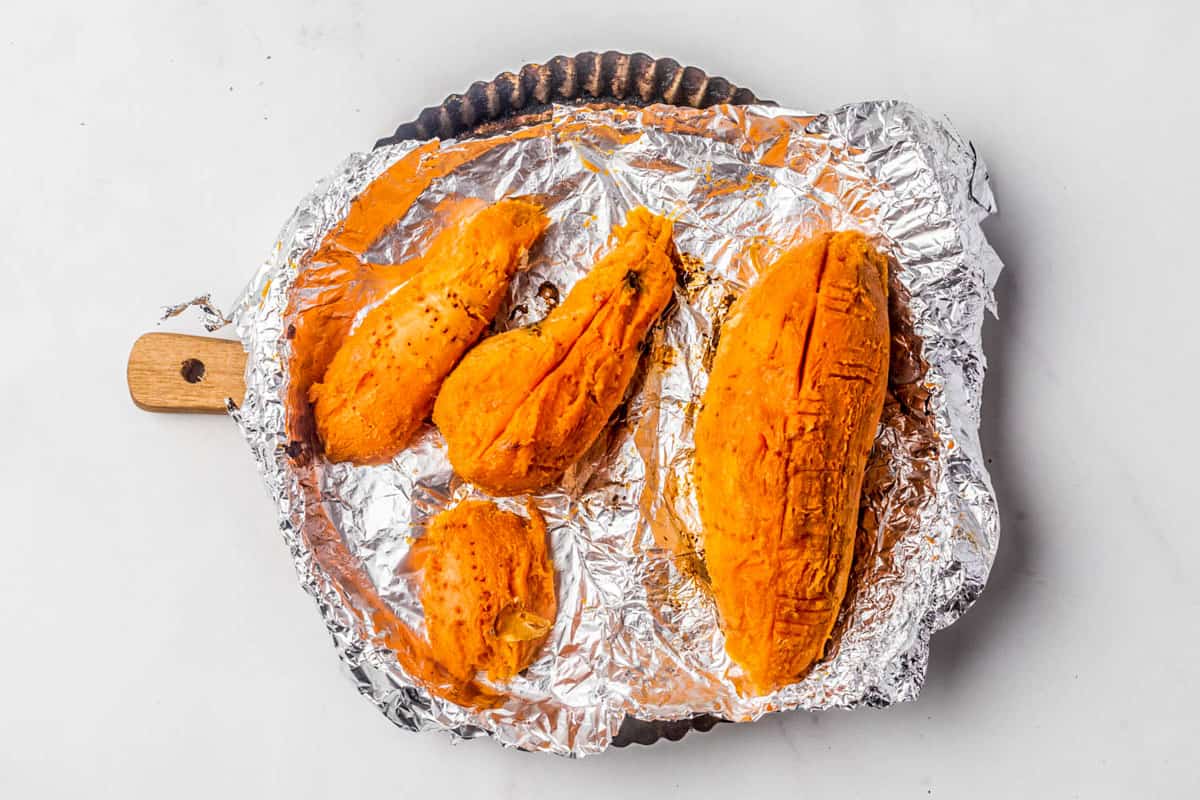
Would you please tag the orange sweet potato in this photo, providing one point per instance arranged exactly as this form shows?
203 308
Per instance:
487 589
381 383
523 406
782 438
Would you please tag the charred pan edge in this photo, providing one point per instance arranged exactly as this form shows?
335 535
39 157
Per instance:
638 731
513 100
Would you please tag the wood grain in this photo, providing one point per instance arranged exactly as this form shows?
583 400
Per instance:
178 373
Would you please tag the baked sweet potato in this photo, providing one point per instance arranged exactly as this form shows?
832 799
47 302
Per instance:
524 405
381 383
487 589
782 438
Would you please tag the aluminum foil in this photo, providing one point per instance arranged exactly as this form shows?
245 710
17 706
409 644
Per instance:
636 633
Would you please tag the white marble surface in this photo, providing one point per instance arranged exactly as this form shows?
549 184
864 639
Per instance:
155 641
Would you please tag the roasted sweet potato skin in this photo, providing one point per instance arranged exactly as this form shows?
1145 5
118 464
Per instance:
381 383
524 405
487 589
782 438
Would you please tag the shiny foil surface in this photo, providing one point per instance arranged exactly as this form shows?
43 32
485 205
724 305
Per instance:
636 632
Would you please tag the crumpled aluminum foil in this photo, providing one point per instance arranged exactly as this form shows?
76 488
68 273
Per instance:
636 633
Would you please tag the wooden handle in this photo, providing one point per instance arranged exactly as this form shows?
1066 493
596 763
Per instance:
175 372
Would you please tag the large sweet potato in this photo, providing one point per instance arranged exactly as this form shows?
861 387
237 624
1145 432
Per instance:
782 438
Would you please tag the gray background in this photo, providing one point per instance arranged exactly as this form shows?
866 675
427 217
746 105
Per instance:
155 642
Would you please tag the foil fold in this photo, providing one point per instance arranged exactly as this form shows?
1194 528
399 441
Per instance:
637 634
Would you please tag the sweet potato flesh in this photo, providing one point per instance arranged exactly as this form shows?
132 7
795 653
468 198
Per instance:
487 589
523 406
782 438
381 383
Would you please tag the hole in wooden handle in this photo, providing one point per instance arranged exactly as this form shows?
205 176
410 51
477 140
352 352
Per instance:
192 370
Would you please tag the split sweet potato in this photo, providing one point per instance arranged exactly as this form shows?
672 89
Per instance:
381 383
524 405
487 589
